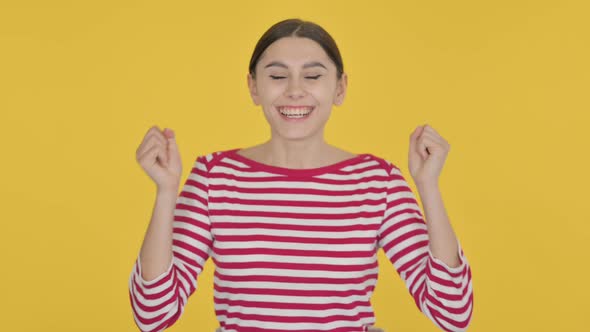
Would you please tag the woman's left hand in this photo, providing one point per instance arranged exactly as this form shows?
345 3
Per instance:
427 155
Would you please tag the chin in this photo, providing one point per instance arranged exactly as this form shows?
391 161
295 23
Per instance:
295 135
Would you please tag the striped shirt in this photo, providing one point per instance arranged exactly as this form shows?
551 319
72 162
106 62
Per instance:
296 249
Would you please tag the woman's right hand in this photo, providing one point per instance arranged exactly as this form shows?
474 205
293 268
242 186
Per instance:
159 157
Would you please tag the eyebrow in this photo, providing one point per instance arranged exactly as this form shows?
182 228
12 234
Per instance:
306 65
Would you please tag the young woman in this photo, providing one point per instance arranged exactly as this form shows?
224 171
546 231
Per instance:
294 224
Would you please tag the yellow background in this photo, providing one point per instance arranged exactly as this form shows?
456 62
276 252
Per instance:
505 82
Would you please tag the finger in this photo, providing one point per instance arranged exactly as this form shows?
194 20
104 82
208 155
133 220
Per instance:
149 142
418 131
152 132
149 157
160 137
154 154
434 137
168 133
153 142
426 145
172 146
156 131
428 129
414 137
421 148
152 129
430 145
163 156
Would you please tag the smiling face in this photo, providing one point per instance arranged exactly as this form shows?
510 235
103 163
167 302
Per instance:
296 84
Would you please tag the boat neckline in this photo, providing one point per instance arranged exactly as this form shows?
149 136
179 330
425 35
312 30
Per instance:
294 171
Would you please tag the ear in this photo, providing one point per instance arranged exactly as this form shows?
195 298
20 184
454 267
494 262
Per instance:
253 89
341 89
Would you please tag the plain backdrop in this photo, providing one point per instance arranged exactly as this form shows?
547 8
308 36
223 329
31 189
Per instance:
506 83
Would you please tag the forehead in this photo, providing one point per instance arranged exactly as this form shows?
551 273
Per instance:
294 52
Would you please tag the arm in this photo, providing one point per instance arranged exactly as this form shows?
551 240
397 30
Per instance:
442 290
176 246
443 241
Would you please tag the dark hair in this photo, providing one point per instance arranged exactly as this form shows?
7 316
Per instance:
297 28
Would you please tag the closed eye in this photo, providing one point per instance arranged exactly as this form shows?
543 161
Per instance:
281 77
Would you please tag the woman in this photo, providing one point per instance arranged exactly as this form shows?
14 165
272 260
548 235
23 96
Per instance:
293 225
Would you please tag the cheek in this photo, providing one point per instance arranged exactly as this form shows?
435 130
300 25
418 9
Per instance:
325 95
270 93
325 88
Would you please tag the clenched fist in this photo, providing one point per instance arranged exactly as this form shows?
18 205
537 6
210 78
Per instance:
159 157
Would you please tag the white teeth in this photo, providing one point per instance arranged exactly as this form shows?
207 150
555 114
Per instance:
295 112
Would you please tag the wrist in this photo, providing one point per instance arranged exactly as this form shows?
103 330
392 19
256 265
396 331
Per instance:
427 186
167 191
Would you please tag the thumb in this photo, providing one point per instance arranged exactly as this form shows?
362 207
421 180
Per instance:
172 150
171 138
414 137
169 134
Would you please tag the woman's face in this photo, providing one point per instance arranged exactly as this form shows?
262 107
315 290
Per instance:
295 76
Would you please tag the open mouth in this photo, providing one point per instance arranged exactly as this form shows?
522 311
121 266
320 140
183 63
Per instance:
295 113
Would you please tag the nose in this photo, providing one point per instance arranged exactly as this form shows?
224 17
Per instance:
294 88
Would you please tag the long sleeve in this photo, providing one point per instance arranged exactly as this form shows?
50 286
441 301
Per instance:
443 293
158 303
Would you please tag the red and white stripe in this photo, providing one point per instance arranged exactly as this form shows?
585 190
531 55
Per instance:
296 250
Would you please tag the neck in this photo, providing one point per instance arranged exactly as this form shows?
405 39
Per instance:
295 153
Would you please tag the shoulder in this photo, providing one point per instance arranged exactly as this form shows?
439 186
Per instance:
211 158
385 164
